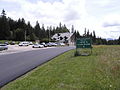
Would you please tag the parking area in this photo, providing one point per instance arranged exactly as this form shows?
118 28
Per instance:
17 48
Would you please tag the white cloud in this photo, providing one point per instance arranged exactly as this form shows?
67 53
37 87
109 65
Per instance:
102 2
92 14
112 18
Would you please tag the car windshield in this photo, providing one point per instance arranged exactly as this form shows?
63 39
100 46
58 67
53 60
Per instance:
2 45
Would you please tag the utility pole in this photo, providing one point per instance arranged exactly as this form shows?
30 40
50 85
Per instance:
49 35
25 35
50 28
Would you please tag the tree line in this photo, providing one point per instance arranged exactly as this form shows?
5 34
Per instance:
97 40
19 30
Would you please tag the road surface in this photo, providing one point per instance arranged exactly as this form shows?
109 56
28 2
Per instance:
14 65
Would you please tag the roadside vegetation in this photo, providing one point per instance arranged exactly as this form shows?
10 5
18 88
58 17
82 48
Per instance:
100 71
8 41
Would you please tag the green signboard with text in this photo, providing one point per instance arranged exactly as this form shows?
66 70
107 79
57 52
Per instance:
84 43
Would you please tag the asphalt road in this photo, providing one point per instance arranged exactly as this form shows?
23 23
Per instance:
14 65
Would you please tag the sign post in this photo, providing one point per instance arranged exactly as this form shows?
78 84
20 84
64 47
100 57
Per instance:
83 43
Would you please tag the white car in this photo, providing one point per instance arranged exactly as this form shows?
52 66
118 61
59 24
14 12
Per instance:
24 43
45 45
54 44
51 44
62 44
3 47
30 43
38 46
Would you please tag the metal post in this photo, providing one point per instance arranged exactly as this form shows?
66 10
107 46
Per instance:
25 35
49 35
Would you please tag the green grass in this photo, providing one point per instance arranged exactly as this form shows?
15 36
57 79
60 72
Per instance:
9 41
100 71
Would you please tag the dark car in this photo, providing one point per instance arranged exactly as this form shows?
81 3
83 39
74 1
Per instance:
12 43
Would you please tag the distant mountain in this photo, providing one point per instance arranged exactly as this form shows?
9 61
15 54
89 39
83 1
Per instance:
109 39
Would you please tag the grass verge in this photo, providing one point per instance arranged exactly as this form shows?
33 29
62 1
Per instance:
100 71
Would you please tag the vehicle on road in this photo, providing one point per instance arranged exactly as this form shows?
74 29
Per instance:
3 47
24 43
37 46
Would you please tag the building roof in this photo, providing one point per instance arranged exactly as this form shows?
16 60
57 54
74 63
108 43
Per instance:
67 34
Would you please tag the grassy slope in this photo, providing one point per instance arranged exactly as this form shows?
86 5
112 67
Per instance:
100 71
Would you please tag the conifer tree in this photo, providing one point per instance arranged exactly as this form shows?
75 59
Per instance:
72 29
4 27
37 30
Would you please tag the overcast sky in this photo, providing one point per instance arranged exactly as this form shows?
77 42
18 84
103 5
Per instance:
103 16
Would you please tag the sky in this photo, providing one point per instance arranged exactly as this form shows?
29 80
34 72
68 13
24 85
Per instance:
102 16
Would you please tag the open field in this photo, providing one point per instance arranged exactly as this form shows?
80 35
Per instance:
100 71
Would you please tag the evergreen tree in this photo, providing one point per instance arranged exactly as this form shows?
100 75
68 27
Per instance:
72 29
53 31
78 35
43 32
19 35
30 32
94 37
29 29
21 24
4 27
91 35
37 30
64 29
84 35
88 34
60 26
48 33
119 40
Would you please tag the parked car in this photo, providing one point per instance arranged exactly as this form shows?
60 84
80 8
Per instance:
37 46
45 45
3 47
51 44
30 43
62 44
12 43
6 43
54 44
24 43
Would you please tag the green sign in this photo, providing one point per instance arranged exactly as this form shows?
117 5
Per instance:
84 43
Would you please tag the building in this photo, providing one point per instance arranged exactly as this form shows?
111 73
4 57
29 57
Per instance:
67 38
